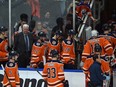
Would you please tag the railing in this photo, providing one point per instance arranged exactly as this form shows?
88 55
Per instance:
81 27
96 7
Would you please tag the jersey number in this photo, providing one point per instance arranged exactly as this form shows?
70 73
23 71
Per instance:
51 72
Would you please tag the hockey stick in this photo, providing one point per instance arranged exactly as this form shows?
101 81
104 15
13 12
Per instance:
38 72
6 75
44 60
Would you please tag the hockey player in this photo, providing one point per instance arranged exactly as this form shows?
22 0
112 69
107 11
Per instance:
107 35
54 43
96 74
111 39
43 37
53 71
68 51
89 61
3 45
38 51
84 8
11 76
88 47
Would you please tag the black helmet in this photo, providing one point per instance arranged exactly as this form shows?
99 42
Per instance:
59 32
71 32
3 29
12 53
105 27
97 48
54 53
41 34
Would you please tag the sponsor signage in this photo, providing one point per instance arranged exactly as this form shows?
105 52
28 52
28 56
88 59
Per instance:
31 78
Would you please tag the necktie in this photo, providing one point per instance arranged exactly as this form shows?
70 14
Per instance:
27 42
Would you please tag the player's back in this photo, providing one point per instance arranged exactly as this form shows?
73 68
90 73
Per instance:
54 74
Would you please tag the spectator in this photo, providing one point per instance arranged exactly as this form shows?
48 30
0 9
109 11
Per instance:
32 25
59 26
23 42
69 23
23 20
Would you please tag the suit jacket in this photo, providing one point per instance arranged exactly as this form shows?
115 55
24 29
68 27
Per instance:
19 42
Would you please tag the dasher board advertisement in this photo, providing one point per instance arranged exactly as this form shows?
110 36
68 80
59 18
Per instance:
31 78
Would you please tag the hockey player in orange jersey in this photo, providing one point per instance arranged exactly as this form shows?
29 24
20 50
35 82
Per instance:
54 43
11 76
107 49
83 8
38 51
89 61
3 45
68 51
106 34
53 71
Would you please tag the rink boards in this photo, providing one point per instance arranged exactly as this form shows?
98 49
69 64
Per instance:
31 78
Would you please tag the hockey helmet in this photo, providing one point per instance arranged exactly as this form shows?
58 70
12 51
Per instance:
94 33
105 27
13 53
3 29
41 34
59 32
97 48
71 32
54 53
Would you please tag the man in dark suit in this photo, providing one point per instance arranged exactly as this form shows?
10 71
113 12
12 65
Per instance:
23 45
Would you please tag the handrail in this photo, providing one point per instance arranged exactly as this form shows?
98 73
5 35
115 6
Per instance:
84 21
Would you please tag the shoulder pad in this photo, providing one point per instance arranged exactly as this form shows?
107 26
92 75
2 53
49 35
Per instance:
10 64
54 42
69 42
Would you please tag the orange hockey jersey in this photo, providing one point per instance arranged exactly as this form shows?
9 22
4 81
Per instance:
37 55
104 65
111 39
68 52
51 46
3 50
89 61
89 48
11 77
53 73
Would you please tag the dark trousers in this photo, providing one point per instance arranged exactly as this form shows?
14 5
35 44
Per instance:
93 85
24 59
